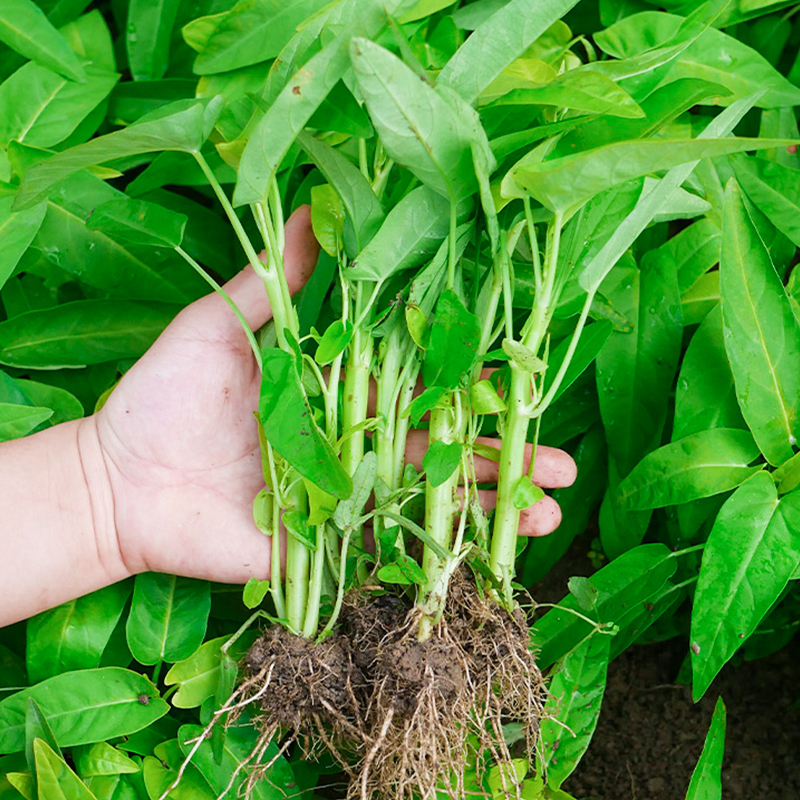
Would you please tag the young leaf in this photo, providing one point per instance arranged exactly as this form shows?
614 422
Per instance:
700 465
327 218
523 358
573 707
25 29
349 511
440 461
403 570
297 527
254 592
84 707
706 783
80 333
751 554
423 404
19 420
500 39
417 126
336 337
484 398
526 494
168 617
289 425
453 342
762 336
632 578
102 759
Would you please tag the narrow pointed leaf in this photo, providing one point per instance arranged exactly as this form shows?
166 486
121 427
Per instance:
700 465
147 37
25 29
56 781
762 335
706 783
752 552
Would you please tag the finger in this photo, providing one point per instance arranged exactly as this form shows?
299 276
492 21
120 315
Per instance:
553 468
538 520
299 258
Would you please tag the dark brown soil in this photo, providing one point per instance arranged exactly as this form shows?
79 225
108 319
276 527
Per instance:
650 733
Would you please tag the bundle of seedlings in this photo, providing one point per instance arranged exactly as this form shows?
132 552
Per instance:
464 270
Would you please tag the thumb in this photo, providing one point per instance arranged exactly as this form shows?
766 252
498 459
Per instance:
300 257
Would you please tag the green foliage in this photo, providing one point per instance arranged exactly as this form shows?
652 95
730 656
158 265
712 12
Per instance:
609 222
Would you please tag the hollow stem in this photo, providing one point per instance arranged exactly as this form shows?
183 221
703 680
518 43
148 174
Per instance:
315 588
298 559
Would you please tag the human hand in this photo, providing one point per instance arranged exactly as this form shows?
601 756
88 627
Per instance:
181 446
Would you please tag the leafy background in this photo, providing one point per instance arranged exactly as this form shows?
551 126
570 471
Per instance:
684 420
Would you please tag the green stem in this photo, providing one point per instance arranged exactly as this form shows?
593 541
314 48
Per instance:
340 591
439 513
451 250
298 559
275 583
315 589
248 331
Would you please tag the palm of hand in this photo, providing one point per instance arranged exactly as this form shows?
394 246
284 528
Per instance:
182 447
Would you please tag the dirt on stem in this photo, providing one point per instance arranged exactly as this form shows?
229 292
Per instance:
405 719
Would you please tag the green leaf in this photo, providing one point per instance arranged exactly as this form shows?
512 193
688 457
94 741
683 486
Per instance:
290 428
453 343
713 56
252 31
297 527
751 554
601 263
695 250
484 398
64 404
147 37
404 571
302 95
159 774
55 779
787 476
706 783
37 729
178 126
19 420
197 677
41 108
417 126
363 207
25 29
17 230
102 759
564 184
138 222
503 37
580 89
84 707
423 404
773 189
762 336
526 493
74 635
412 231
441 460
705 397
632 578
699 465
348 512
336 337
635 370
523 358
81 333
327 218
168 617
573 707
254 592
